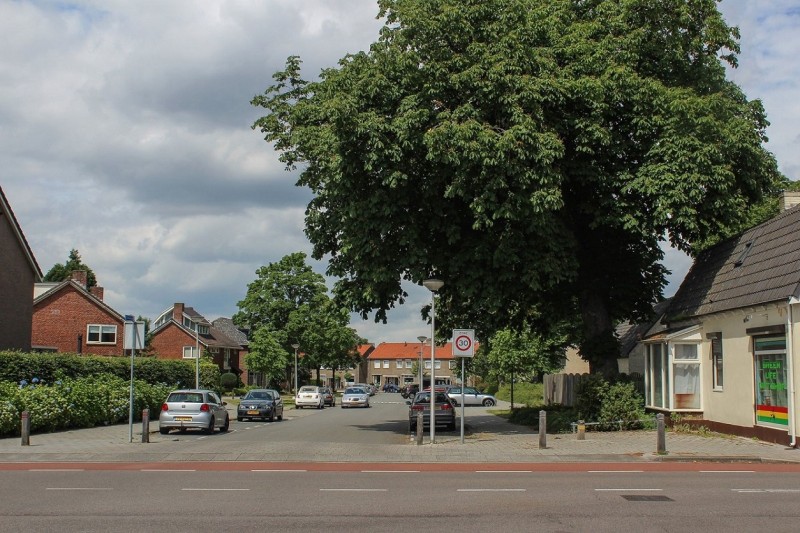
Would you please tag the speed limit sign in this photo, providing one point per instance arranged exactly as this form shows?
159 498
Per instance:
463 342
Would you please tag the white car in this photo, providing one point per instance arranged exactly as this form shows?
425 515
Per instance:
309 396
355 397
472 396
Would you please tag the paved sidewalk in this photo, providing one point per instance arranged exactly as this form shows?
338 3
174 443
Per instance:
489 439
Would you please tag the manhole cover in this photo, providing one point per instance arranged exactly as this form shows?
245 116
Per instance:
645 498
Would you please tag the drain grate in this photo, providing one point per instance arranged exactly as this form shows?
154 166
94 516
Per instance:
645 498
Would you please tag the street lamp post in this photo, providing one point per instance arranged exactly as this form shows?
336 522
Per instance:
433 285
421 339
197 355
295 346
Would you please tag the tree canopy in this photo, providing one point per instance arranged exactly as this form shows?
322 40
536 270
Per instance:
63 272
534 154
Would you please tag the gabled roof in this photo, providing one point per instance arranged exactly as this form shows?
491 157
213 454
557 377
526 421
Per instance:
5 209
761 265
215 338
53 289
229 329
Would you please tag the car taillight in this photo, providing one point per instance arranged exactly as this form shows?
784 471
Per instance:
417 408
446 406
164 407
204 407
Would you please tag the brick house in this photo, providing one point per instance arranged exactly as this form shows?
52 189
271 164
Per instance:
68 317
240 337
179 331
19 271
394 362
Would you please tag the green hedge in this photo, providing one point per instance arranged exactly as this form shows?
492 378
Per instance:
76 403
16 367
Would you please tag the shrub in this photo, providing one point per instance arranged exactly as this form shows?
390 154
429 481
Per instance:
622 407
529 394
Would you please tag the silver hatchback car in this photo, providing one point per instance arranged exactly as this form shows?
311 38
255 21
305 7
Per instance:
193 409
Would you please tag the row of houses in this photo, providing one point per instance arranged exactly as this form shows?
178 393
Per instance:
722 351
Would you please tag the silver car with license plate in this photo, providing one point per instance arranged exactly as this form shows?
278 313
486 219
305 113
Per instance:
193 409
355 397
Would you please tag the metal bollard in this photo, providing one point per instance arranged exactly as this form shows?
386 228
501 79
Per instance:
581 430
146 425
661 445
542 429
420 429
26 428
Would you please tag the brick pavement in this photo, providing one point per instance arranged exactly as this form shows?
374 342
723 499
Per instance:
489 439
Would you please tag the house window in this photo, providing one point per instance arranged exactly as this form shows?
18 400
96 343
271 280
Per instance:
399 363
686 377
772 401
427 364
376 364
716 362
100 334
385 363
226 363
657 378
453 364
189 352
438 364
409 363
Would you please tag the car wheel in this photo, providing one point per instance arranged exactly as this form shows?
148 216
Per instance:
163 431
298 406
488 402
210 429
226 426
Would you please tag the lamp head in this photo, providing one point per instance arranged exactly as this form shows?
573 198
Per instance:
433 285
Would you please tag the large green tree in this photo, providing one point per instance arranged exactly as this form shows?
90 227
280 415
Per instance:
534 154
63 271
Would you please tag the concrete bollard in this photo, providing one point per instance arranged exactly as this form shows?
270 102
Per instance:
146 425
26 428
420 428
581 430
542 429
661 445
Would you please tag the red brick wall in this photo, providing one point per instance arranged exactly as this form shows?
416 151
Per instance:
60 318
169 342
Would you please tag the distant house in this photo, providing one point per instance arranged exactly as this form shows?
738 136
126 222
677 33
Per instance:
18 273
394 363
728 353
240 337
180 332
68 317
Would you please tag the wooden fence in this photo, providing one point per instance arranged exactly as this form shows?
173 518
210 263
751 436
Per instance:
563 389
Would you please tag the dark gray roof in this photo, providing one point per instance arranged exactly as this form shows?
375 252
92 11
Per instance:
630 334
230 330
759 266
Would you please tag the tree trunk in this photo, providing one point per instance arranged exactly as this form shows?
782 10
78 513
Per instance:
600 346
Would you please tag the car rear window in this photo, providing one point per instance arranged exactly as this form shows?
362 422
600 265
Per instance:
188 397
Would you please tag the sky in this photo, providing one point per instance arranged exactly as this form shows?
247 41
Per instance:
125 134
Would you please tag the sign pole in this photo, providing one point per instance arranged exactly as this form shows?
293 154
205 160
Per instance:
462 400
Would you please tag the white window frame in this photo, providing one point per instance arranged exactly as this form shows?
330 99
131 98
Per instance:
717 363
438 364
409 363
399 363
192 352
667 348
376 363
99 331
386 363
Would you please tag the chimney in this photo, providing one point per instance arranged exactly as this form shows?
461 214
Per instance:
177 313
789 199
97 292
81 277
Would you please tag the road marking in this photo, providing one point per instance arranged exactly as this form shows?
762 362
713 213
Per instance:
615 471
727 471
767 490
390 471
79 488
216 490
353 490
166 470
56 470
628 490
278 470
503 471
491 490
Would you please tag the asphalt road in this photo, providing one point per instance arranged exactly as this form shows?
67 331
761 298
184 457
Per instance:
375 501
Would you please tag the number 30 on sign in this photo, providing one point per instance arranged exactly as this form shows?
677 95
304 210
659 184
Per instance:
463 342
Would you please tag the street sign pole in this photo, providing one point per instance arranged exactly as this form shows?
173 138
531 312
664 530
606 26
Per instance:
463 347
462 400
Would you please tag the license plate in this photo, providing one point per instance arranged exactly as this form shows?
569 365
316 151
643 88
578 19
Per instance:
183 418
252 412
